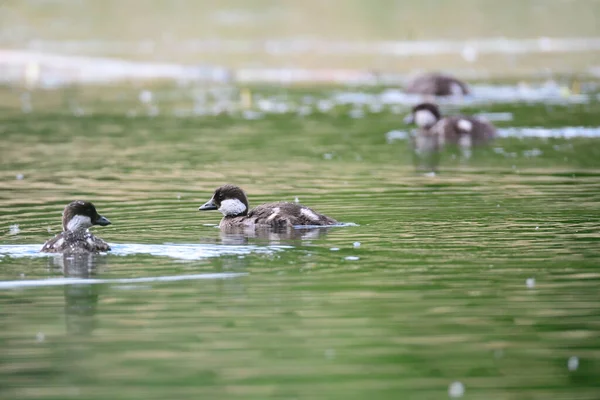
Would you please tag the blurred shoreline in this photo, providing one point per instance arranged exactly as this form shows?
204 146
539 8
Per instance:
55 64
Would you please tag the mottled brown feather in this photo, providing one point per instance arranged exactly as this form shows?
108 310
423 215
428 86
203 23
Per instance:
75 242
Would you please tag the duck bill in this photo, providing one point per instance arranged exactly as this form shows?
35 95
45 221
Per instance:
209 205
102 221
409 119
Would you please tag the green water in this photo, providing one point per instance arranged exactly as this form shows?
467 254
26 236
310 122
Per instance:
436 292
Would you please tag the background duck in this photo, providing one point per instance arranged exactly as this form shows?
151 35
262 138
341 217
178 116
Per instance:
434 132
437 84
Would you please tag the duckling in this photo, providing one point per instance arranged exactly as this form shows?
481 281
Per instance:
232 202
435 131
436 84
77 217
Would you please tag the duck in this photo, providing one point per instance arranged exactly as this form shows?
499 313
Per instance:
465 131
435 132
78 216
232 202
437 84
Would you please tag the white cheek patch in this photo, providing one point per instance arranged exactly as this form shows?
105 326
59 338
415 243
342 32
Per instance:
456 89
465 125
58 243
232 207
309 214
424 118
79 222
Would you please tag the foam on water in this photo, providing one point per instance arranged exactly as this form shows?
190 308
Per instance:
186 252
338 225
566 132
94 281
468 49
550 92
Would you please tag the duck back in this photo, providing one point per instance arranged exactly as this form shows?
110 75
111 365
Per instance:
75 242
481 132
279 215
437 85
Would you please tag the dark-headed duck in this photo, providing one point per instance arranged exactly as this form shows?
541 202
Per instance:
77 218
436 84
232 202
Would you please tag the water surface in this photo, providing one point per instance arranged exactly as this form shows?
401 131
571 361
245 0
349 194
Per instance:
484 274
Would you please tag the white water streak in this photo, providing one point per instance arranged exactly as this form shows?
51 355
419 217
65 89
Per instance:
92 281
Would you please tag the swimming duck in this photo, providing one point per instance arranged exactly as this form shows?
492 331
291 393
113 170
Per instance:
232 202
435 131
436 84
77 217
463 130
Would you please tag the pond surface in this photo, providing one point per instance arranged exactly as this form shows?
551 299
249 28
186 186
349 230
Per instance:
482 279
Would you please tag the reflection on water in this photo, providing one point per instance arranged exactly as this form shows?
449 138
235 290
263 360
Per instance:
244 235
77 265
80 300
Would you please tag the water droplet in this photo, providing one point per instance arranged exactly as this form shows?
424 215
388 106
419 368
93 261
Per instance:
40 337
537 227
334 249
20 177
145 96
456 389
573 363
356 244
328 156
14 229
330 354
530 282
469 54
296 200
352 258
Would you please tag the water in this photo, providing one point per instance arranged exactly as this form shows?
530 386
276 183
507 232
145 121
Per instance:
480 281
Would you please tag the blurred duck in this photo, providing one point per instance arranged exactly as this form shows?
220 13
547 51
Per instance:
434 132
436 84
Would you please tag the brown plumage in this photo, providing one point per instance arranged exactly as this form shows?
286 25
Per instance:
452 129
436 84
78 216
434 132
232 202
75 242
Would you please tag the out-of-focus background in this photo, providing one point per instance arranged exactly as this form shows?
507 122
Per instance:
476 278
474 38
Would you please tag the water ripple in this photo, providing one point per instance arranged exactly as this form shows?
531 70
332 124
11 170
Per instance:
187 252
92 281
